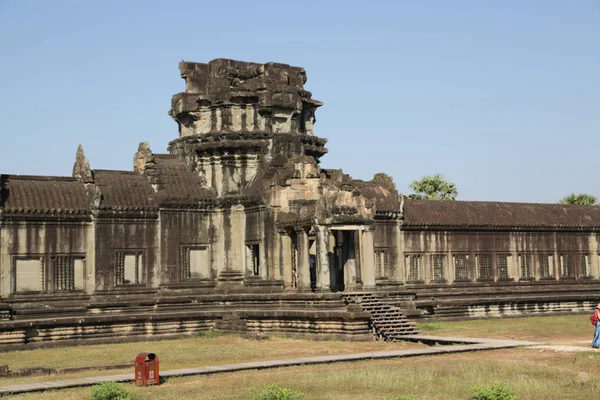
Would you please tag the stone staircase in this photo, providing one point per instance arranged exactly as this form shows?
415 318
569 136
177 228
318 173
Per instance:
388 323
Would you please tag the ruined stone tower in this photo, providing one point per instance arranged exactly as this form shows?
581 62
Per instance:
235 117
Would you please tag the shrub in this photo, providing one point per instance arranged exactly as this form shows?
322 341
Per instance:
112 391
210 334
496 391
276 392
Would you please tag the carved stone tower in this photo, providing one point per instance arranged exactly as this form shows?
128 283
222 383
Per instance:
237 116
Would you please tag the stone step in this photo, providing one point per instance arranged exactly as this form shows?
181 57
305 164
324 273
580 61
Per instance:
395 323
387 320
388 314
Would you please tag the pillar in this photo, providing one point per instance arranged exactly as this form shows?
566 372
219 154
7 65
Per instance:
285 258
398 273
358 258
303 261
323 276
595 267
367 252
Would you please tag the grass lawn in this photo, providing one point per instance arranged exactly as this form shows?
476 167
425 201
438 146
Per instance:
574 330
181 353
533 373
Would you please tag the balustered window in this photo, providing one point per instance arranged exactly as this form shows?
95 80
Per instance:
566 265
381 263
585 265
253 258
438 267
503 261
461 267
196 262
525 265
546 261
484 266
414 263
63 270
129 267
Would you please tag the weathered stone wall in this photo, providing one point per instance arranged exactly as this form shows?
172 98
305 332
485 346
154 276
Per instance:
133 238
569 255
388 240
23 244
181 230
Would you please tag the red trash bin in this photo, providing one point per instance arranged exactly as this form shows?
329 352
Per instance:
146 369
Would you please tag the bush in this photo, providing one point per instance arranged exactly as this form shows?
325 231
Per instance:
112 391
210 334
276 392
496 391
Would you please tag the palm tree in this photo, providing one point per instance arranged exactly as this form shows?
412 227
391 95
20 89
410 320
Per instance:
582 199
433 188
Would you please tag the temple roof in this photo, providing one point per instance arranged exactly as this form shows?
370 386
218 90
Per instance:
44 195
385 199
176 183
448 213
124 190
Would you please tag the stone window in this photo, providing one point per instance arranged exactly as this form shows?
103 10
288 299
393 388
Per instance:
414 262
525 262
253 258
196 262
484 266
461 267
503 261
546 261
129 267
438 267
381 263
566 265
585 265
68 273
29 274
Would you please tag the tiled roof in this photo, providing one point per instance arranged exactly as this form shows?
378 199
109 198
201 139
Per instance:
44 195
442 213
124 190
176 183
385 199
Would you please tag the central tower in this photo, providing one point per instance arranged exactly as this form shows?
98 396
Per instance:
235 116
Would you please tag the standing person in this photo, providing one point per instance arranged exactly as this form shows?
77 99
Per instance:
596 341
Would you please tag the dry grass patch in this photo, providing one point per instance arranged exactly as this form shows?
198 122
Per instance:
533 374
561 329
181 353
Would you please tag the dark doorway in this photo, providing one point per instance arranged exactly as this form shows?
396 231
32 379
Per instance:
313 272
342 257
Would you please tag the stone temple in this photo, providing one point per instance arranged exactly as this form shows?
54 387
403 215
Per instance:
238 228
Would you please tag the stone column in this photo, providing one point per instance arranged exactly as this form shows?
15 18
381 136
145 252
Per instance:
90 260
5 263
594 267
514 272
398 262
358 258
323 276
303 261
285 258
217 248
367 253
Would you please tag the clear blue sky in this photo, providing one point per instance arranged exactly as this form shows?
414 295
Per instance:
502 97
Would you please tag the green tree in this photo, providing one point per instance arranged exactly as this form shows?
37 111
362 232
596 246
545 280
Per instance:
433 188
582 199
